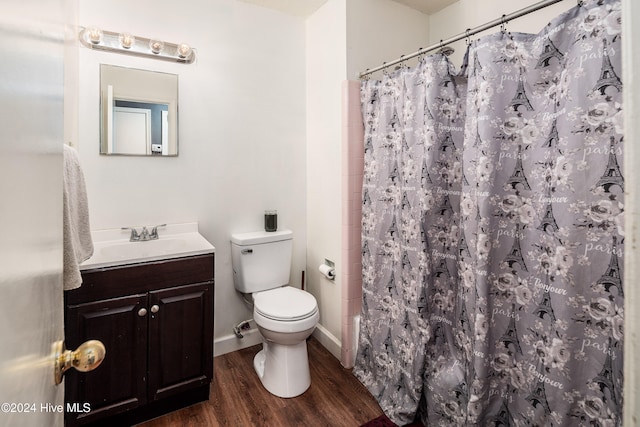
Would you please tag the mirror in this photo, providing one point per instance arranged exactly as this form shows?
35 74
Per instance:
139 112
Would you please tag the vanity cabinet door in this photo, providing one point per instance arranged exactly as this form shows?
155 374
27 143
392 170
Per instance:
180 339
118 384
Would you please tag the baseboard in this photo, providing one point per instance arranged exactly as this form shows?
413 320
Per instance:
328 340
230 343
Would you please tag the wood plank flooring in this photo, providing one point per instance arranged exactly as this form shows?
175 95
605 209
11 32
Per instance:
335 399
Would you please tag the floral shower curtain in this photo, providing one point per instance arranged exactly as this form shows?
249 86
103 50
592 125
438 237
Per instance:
492 231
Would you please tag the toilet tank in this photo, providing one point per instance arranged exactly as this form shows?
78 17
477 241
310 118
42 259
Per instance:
261 260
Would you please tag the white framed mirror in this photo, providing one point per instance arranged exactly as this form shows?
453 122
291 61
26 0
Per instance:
139 112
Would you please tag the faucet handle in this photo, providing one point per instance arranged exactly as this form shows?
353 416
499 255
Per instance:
134 234
154 230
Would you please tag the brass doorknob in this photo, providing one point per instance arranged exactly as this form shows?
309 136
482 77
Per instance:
85 358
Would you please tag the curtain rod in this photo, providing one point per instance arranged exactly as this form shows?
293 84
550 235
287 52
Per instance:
500 21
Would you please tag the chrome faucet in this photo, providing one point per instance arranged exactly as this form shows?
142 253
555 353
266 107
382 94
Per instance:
134 237
144 234
154 231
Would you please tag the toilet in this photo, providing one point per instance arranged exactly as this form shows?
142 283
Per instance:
285 316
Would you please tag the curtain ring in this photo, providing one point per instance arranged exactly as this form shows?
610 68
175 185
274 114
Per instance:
467 39
403 64
503 24
580 3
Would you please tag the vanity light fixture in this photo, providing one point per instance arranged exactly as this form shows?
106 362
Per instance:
184 50
95 38
127 40
156 46
93 35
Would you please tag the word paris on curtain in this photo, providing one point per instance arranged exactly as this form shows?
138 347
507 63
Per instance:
492 231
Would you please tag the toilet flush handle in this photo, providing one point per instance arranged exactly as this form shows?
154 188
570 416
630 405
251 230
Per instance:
246 251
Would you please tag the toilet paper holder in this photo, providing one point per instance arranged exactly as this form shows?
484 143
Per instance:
328 269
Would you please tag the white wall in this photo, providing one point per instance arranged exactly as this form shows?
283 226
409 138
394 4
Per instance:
380 31
241 132
326 63
464 14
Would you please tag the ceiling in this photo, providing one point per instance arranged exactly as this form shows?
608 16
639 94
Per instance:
427 6
301 8
305 8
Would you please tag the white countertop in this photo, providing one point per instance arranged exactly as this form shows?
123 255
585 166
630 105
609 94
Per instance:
112 246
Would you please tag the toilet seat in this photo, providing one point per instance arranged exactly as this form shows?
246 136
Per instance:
285 304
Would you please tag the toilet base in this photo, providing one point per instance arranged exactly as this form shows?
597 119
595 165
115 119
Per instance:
283 369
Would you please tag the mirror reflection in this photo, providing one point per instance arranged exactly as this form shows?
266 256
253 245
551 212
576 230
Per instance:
139 112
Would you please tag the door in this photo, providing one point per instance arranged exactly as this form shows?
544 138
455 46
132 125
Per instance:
180 331
31 137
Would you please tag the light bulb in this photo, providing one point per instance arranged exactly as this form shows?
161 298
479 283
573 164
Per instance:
156 46
93 35
184 50
127 40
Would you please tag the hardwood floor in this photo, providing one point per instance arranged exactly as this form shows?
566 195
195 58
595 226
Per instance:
336 398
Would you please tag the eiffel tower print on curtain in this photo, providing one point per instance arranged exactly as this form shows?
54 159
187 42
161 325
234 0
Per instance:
391 284
405 204
447 143
366 253
608 76
395 172
477 67
427 116
463 247
368 146
477 141
520 98
441 270
548 222
549 51
515 254
503 418
425 177
553 138
518 177
406 262
366 199
612 175
544 307
538 397
439 339
510 335
393 228
445 207
612 276
605 379
463 317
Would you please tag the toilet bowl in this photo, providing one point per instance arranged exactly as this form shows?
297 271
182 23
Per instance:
286 316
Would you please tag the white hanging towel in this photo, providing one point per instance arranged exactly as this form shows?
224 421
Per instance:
78 245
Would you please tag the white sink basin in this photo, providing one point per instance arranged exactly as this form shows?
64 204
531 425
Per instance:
112 247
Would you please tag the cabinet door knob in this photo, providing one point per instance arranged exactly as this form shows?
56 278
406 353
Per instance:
142 312
155 308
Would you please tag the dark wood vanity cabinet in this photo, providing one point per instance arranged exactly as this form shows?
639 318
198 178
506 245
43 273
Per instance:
156 322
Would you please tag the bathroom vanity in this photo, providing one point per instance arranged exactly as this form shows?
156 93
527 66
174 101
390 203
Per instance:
155 318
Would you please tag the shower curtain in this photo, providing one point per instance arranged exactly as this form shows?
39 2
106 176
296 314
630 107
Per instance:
492 239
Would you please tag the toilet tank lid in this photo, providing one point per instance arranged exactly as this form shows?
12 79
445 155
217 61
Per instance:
257 237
